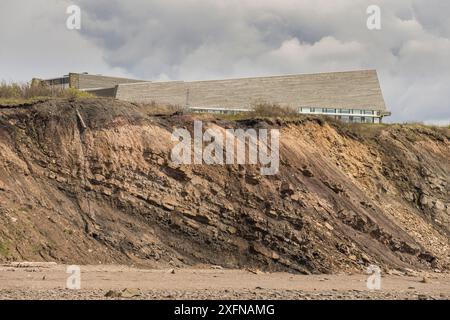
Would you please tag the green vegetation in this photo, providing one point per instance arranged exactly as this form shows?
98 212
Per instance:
154 108
37 247
271 110
4 250
412 131
24 210
13 94
262 110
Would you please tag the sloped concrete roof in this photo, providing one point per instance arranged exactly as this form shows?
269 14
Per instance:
349 90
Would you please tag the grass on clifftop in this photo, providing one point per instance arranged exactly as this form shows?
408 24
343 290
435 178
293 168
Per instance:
268 111
13 94
274 111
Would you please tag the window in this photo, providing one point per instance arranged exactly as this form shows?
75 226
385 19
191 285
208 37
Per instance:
330 110
345 118
368 112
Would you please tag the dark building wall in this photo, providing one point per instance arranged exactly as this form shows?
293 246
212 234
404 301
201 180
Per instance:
104 92
89 81
57 83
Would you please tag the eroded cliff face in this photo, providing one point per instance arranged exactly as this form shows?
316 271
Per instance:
345 196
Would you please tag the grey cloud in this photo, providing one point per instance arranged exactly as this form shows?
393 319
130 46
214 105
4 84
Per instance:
35 42
201 39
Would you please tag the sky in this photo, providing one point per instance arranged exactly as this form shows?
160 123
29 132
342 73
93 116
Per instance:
213 39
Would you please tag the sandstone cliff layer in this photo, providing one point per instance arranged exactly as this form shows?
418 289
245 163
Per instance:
346 196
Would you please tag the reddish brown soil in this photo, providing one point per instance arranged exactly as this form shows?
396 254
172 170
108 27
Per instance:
346 196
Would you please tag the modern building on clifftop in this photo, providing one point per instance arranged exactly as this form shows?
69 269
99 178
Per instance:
351 96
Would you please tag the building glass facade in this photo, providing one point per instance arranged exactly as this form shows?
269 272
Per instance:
346 115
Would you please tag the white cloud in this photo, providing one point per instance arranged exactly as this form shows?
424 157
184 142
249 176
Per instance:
35 42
